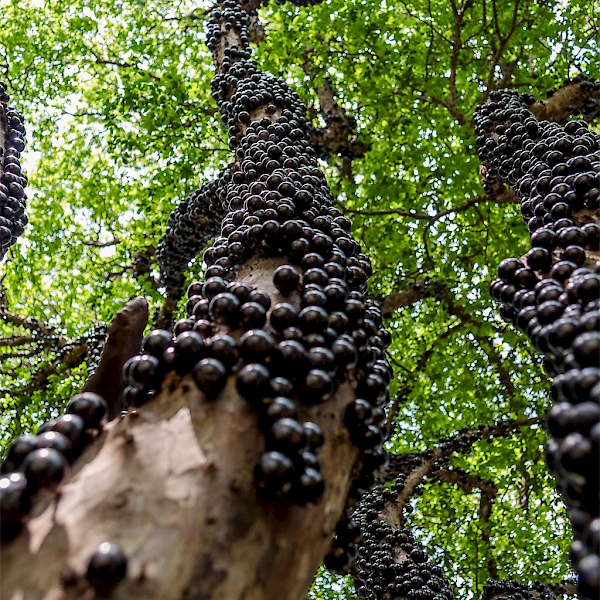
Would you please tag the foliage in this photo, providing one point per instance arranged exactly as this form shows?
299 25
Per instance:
121 126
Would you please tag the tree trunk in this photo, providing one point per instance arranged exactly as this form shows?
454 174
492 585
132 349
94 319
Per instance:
172 484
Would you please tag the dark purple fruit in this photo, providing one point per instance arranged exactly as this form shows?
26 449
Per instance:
314 436
107 568
210 376
286 279
261 298
91 407
311 487
274 474
252 315
253 382
224 309
280 386
156 342
15 502
44 468
55 440
345 353
313 319
282 316
281 408
224 348
318 385
17 452
287 436
256 346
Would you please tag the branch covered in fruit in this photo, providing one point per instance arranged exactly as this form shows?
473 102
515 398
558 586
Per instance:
259 423
553 293
13 199
579 96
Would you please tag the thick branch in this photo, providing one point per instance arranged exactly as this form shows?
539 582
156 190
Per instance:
462 442
70 357
32 324
575 96
124 341
16 340
412 295
173 485
337 137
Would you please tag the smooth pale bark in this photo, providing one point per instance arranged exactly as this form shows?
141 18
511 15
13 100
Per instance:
173 485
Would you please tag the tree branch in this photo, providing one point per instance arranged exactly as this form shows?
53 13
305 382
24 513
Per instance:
98 244
337 137
17 340
124 341
505 197
573 97
408 297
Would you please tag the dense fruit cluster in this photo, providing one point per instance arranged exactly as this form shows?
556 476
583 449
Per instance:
553 294
294 346
390 562
514 590
12 181
281 357
191 226
36 462
94 339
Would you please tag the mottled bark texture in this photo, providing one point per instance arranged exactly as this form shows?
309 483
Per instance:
173 485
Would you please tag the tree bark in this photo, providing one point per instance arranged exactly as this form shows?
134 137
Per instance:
565 101
124 340
172 484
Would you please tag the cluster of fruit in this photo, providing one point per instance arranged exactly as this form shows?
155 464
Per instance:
40 462
553 293
190 227
390 562
509 589
94 339
589 108
12 180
